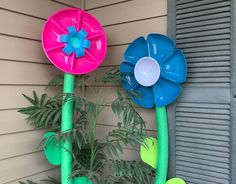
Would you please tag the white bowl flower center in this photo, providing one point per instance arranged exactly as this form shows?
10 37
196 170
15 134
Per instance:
147 71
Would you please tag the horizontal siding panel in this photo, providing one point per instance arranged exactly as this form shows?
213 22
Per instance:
22 166
74 3
131 10
42 9
12 121
26 73
20 25
19 49
12 145
100 3
11 96
126 33
114 55
54 173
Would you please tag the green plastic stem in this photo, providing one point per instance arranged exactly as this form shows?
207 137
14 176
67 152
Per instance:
162 137
67 114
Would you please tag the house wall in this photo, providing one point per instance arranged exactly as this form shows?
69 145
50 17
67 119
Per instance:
123 21
23 68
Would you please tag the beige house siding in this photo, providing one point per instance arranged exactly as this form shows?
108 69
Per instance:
123 22
23 68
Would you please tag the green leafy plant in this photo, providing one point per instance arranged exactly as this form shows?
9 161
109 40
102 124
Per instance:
92 156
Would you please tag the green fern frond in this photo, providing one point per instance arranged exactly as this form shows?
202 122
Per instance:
27 182
127 114
43 112
111 77
129 172
51 180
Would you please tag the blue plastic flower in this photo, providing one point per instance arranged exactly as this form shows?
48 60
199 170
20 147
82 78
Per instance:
153 68
75 42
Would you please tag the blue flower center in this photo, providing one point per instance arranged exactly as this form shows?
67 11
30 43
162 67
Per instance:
75 42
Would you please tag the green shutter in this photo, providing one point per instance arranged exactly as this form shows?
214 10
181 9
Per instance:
202 120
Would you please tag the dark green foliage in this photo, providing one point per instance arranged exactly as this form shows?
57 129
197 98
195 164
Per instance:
112 77
90 155
27 182
50 180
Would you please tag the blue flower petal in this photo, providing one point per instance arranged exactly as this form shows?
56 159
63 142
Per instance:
126 68
68 49
64 38
174 67
86 44
136 50
160 46
72 31
128 81
165 92
79 52
144 97
82 34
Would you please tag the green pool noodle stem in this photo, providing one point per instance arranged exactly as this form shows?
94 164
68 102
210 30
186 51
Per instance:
66 125
162 137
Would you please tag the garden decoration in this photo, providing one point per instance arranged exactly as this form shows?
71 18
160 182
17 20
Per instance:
151 74
75 42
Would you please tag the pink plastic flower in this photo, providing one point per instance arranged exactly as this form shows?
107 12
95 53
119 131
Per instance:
74 41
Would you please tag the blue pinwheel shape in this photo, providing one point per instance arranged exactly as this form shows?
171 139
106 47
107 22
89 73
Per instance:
168 71
75 42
